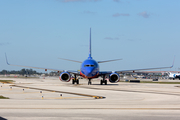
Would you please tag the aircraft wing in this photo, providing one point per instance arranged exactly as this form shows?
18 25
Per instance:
133 70
138 70
58 70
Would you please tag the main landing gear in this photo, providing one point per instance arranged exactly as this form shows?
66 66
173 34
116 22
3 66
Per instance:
75 81
103 81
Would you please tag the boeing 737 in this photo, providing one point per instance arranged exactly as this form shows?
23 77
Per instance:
89 70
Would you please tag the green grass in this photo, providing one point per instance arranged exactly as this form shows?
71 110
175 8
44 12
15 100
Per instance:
6 81
2 97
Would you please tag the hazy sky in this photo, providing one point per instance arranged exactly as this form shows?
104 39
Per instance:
145 33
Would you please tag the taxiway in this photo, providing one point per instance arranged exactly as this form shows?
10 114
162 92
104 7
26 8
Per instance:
52 99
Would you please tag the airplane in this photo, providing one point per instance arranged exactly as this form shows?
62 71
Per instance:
173 75
89 70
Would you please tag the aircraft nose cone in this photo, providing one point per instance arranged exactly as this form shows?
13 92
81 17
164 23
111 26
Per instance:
89 72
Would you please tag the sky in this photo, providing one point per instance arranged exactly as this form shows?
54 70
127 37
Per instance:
144 33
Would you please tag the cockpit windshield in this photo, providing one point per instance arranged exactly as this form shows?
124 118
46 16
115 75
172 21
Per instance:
89 65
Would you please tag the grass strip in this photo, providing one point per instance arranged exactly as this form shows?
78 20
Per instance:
7 81
2 97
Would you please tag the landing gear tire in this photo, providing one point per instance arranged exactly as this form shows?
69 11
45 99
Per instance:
103 81
89 83
77 81
73 81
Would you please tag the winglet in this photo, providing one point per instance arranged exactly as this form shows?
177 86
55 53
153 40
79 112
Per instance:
173 62
6 59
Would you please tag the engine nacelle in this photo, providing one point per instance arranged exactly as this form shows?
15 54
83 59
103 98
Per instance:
65 77
114 77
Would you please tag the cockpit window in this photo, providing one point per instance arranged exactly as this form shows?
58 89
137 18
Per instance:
89 65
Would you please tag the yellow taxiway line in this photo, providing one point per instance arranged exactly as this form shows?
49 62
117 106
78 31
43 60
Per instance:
86 95
48 98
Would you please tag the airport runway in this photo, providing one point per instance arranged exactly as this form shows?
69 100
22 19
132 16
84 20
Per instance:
52 99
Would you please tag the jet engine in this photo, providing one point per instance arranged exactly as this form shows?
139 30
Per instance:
65 77
114 78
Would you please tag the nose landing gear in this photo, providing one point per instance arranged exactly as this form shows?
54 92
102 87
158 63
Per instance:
89 82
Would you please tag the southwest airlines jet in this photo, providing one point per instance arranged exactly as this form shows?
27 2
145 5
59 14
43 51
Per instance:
89 70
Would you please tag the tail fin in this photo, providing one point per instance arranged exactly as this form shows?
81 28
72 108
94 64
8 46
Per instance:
90 46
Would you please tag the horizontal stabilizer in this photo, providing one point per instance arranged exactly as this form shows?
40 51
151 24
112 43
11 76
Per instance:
70 60
108 60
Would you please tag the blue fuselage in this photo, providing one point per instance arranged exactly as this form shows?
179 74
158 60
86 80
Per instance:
89 68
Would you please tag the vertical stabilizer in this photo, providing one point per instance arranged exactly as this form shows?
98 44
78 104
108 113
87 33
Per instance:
90 46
